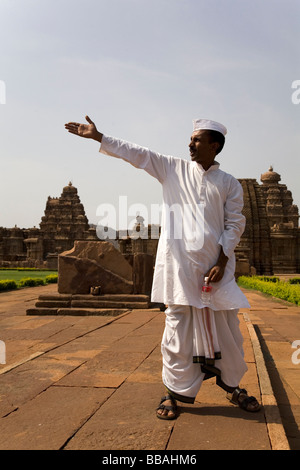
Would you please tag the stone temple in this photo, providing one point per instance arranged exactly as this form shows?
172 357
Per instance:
64 222
269 245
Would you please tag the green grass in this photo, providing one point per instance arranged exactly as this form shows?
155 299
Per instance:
16 275
283 290
14 278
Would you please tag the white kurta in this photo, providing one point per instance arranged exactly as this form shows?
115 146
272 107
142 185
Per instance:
207 209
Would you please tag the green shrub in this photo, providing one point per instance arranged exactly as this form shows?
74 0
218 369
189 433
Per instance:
269 278
280 289
294 280
31 282
8 284
52 278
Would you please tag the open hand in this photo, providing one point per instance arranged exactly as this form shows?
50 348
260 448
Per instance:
89 131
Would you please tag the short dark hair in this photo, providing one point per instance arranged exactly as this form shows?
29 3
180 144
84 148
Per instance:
216 136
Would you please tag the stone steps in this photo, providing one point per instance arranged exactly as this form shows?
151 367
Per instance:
114 297
113 312
76 304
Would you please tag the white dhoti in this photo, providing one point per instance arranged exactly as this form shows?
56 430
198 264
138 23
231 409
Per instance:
198 344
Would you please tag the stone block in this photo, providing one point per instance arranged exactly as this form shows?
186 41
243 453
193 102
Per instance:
41 311
94 263
143 273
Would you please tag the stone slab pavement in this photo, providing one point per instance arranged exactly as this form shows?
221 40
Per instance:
87 383
277 325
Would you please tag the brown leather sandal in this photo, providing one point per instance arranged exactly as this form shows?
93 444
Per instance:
246 403
172 408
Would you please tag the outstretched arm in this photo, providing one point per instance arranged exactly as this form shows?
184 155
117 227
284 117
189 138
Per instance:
89 131
155 164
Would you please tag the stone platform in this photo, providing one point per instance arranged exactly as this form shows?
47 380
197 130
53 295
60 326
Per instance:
83 305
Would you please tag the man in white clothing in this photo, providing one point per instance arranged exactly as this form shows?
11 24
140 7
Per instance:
201 339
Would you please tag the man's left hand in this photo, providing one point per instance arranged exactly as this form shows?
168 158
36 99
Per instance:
216 273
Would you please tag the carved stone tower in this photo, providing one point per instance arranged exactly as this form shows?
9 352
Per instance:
256 237
271 237
283 219
64 222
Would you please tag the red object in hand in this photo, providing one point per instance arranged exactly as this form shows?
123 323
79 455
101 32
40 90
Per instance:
206 291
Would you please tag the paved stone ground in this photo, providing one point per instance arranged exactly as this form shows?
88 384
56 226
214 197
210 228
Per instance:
277 324
94 383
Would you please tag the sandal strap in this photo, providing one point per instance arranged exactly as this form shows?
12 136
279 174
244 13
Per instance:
168 397
172 407
236 394
166 407
247 401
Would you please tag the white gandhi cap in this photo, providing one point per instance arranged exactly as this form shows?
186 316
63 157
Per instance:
200 124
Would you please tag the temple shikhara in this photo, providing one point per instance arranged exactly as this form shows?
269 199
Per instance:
269 245
270 242
64 222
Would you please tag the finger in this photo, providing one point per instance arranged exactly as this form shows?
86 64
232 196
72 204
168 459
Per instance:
89 120
73 132
217 276
213 277
71 127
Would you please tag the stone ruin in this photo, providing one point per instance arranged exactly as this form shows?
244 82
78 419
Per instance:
95 278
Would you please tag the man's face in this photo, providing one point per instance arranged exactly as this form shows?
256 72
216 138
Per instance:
202 150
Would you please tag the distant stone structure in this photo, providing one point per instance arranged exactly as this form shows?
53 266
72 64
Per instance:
63 223
270 243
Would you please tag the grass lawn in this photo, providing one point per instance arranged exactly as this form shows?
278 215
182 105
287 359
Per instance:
16 275
281 289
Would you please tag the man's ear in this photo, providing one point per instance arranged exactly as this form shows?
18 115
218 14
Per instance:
215 146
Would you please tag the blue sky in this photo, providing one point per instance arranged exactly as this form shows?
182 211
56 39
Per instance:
142 70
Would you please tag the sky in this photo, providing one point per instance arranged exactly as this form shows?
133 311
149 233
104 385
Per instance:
142 70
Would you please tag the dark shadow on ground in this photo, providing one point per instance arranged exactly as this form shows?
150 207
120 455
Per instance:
288 420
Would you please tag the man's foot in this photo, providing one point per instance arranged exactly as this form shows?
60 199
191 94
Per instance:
240 397
167 408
